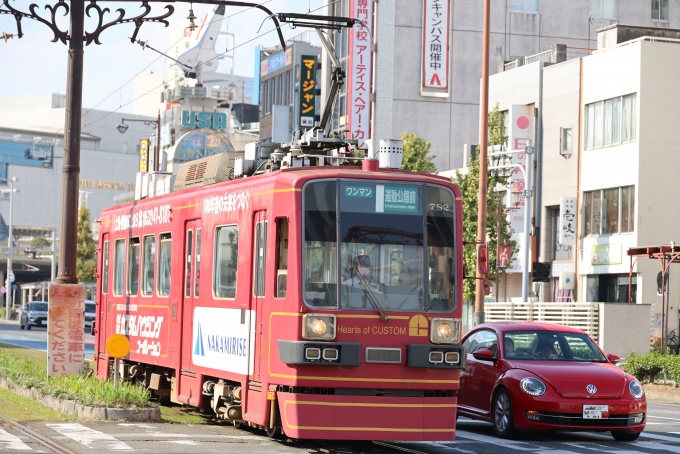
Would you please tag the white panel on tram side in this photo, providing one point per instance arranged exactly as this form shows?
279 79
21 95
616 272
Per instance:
223 340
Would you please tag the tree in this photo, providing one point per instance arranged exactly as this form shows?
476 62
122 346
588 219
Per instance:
40 242
416 151
469 185
85 260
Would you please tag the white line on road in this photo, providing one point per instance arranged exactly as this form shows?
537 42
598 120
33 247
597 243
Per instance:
660 437
90 437
663 417
519 445
9 441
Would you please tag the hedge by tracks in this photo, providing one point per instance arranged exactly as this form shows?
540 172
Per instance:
646 367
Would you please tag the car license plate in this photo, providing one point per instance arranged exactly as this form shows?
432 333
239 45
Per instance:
595 411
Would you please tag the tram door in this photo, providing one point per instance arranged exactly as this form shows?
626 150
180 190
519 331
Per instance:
259 268
191 290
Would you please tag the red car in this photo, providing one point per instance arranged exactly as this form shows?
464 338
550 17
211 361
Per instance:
547 377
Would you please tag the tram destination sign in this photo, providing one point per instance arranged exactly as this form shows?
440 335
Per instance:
400 199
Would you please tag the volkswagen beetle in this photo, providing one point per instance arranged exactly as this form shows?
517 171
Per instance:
538 376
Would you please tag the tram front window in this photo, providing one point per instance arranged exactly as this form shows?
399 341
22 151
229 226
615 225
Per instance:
395 250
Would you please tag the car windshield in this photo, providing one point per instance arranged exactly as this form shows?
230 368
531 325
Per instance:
90 307
542 345
40 307
375 246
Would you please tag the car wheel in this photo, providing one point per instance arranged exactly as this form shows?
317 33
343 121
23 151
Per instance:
501 415
28 326
21 324
624 435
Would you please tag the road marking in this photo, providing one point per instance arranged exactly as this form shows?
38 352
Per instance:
9 441
660 437
519 445
90 437
661 447
182 442
141 426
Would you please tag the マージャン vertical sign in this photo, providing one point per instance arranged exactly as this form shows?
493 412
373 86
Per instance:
307 90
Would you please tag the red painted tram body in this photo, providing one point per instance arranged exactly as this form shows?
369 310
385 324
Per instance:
321 301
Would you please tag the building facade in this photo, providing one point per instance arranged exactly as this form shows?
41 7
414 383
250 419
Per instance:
401 93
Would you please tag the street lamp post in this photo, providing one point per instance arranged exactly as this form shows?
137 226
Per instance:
8 297
528 175
122 128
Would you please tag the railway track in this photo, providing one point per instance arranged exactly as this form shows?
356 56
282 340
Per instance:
44 441
367 447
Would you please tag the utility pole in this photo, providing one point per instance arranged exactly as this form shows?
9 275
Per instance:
483 145
72 129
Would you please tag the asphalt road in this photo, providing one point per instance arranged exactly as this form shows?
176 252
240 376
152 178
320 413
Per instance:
36 338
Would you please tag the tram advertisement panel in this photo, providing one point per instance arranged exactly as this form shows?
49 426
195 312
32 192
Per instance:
222 339
146 326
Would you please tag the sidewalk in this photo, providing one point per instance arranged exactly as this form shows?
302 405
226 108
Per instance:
662 393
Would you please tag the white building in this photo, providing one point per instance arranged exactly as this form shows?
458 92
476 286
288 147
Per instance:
449 117
605 125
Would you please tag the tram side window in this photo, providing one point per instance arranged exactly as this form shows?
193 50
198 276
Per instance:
133 266
440 246
119 267
197 272
164 264
281 257
105 269
260 257
225 268
149 265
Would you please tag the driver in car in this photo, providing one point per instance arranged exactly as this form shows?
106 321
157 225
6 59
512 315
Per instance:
545 350
509 347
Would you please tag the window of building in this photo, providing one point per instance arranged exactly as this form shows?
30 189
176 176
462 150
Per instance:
148 265
527 6
611 122
566 143
660 10
604 9
164 264
119 267
105 269
609 211
281 257
133 266
3 172
225 268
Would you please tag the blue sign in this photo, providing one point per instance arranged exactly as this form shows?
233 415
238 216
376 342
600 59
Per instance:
24 154
273 63
202 120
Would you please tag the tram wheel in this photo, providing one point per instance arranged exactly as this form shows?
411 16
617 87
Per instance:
238 424
273 433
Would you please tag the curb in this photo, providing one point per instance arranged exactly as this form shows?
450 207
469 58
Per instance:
663 397
82 412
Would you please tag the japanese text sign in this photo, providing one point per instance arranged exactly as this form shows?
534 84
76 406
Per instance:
360 72
307 90
567 226
143 155
65 329
436 44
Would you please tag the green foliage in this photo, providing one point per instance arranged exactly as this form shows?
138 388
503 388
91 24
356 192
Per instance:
86 264
469 185
646 367
40 242
84 389
416 150
12 313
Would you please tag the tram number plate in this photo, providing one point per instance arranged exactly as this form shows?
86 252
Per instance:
595 411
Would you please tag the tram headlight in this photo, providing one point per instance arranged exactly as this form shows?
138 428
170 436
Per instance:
444 331
318 326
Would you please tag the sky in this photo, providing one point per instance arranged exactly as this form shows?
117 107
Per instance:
33 64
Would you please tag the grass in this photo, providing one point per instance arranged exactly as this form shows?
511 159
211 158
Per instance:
23 409
178 414
30 371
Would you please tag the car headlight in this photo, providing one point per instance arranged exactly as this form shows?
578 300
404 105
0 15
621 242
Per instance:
444 331
318 326
532 386
636 389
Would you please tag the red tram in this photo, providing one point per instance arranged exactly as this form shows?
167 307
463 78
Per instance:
323 301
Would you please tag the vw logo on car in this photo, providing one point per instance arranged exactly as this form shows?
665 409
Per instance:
592 389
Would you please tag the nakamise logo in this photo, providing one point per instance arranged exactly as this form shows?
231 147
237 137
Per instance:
418 326
198 347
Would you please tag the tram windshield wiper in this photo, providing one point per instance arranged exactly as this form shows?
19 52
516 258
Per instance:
369 293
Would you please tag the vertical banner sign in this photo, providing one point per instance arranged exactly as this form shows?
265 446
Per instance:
360 72
307 91
65 329
436 44
567 221
143 155
520 134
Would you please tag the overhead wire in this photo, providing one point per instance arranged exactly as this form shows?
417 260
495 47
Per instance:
119 89
203 63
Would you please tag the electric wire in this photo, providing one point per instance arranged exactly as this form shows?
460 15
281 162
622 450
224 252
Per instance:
207 61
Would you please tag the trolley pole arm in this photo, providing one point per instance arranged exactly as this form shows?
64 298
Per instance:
338 79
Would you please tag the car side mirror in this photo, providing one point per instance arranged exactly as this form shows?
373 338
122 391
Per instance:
484 355
613 358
